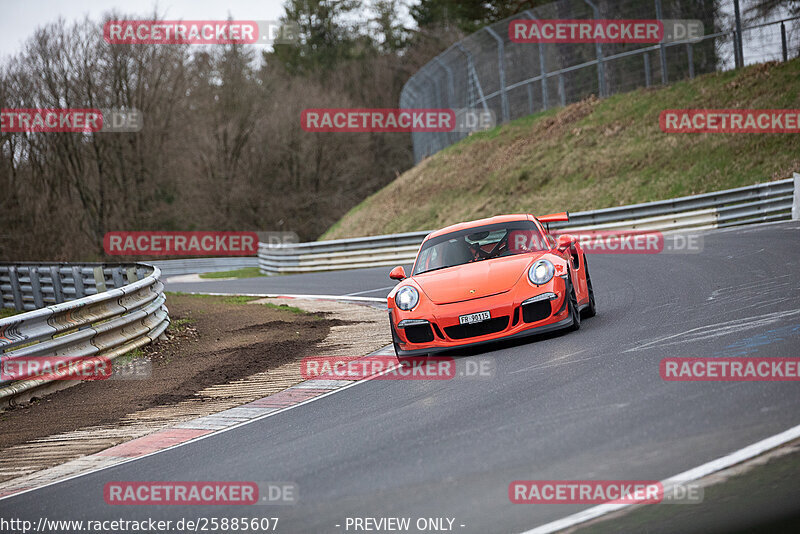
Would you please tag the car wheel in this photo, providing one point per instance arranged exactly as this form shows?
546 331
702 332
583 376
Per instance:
591 311
572 305
394 339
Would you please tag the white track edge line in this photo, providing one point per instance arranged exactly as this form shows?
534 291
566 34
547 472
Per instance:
287 296
723 462
204 436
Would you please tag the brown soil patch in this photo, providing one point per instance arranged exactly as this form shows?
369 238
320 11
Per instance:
222 341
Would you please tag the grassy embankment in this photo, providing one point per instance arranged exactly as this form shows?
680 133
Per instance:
592 154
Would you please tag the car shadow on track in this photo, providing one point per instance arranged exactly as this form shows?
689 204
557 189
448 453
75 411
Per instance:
502 344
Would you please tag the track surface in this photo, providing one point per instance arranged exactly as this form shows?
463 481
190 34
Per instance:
585 405
373 282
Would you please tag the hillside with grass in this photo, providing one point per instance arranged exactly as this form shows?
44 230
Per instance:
592 154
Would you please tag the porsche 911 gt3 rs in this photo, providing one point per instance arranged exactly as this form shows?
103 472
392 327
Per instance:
490 279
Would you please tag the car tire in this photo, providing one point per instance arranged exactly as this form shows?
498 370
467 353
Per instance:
591 310
572 306
394 339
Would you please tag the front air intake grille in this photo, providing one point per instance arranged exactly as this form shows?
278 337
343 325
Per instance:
536 311
491 326
419 333
438 332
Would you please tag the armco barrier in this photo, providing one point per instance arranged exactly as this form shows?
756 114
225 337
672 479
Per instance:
91 312
203 265
772 201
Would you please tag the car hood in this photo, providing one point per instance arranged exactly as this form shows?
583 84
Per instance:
484 278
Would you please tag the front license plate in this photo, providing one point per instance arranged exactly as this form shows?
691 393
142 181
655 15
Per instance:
474 317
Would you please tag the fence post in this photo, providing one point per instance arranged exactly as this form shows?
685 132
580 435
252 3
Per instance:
738 42
451 97
410 98
501 68
561 93
435 102
474 75
662 52
451 91
796 198
783 42
690 58
647 79
598 48
542 69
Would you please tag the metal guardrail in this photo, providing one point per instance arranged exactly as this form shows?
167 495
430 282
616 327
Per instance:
203 265
772 201
88 314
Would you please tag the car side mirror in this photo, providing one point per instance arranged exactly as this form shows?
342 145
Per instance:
565 241
398 273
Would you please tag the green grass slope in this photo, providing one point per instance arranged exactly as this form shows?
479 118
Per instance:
592 154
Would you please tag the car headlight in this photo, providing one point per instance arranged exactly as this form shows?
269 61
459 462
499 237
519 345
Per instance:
406 298
541 272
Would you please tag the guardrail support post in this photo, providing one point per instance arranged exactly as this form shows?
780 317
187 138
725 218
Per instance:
36 287
99 280
13 275
796 198
77 281
58 290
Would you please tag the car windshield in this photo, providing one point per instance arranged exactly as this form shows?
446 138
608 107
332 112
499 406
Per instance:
478 244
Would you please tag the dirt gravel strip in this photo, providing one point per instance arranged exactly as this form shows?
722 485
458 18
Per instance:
357 329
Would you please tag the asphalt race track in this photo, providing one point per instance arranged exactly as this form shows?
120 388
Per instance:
373 282
585 405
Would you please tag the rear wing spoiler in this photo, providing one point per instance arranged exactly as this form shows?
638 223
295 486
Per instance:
554 217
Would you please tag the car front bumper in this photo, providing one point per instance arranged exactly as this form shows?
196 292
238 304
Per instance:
447 334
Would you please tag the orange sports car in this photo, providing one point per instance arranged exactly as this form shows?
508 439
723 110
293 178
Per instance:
480 281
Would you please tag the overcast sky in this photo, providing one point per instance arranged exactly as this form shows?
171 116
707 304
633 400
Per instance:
21 17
